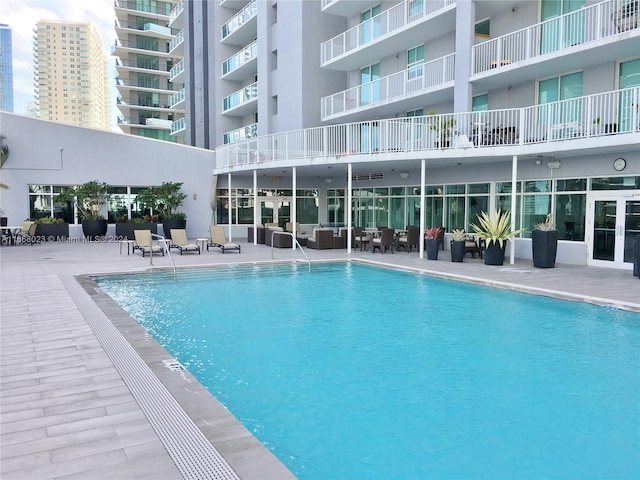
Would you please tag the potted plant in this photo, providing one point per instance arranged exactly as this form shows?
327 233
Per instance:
90 199
52 229
458 238
125 225
544 243
443 128
431 242
164 200
496 231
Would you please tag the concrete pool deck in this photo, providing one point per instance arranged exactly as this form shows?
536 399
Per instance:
86 394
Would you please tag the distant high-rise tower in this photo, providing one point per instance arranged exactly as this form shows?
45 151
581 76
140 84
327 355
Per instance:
70 67
150 52
6 69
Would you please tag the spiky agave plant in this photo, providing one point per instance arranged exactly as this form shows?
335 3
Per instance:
495 228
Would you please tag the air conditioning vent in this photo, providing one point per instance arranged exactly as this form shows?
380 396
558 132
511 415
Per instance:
367 176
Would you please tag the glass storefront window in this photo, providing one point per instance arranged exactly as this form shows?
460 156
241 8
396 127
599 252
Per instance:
455 213
537 186
570 214
396 213
535 210
615 183
571 185
433 212
478 188
459 189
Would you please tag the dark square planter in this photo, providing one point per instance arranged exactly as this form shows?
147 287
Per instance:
432 248
457 251
169 223
544 245
94 229
52 232
494 253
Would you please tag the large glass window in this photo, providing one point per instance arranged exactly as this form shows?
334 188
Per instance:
415 62
629 76
558 92
370 27
369 84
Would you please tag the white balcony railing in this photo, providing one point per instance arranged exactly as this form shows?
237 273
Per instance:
610 113
176 41
176 12
244 95
405 84
239 19
176 70
575 28
386 23
178 126
176 98
245 55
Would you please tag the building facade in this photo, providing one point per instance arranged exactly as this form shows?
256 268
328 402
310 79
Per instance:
343 107
6 69
149 57
70 70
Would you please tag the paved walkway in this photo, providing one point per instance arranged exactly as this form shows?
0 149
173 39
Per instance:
86 394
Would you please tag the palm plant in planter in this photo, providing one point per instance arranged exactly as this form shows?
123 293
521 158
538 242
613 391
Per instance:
165 201
431 241
90 199
544 243
495 230
458 238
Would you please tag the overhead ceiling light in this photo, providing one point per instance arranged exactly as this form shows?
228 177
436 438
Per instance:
404 174
329 180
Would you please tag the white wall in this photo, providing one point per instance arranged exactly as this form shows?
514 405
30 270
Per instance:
114 158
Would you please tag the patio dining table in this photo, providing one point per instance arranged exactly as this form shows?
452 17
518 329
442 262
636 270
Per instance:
10 232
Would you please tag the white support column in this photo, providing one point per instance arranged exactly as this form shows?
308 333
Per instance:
348 205
514 197
423 177
255 207
229 208
294 216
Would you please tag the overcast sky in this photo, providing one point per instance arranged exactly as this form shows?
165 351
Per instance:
22 16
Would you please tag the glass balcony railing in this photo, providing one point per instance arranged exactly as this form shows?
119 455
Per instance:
177 11
243 56
243 95
239 19
176 98
179 126
176 41
159 8
177 69
244 133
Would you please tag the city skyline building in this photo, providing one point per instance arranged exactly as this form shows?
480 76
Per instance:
148 54
70 71
6 68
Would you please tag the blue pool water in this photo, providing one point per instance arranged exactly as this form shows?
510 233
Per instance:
353 371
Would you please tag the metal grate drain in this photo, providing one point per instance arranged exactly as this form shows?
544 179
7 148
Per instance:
191 451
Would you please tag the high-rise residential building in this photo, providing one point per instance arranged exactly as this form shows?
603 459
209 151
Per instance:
6 69
70 64
336 111
149 53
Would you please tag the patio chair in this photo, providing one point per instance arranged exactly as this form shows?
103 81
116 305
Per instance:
322 239
360 238
27 233
144 243
410 240
180 241
384 241
219 239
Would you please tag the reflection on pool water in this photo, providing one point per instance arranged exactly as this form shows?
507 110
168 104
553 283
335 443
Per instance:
353 371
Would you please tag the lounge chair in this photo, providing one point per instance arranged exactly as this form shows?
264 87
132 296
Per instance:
27 233
144 243
384 241
219 239
180 241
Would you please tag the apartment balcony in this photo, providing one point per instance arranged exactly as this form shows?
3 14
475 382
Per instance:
241 102
582 125
344 8
154 86
242 65
241 134
233 4
398 28
177 99
176 75
176 18
571 41
136 103
176 45
431 82
179 126
122 48
153 123
142 66
149 29
242 27
155 10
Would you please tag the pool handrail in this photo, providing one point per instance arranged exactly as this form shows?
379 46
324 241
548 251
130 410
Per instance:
295 240
166 249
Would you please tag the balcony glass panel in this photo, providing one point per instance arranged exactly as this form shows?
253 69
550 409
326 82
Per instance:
244 133
243 56
239 19
241 96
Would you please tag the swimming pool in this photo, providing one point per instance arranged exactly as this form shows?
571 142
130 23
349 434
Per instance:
354 371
